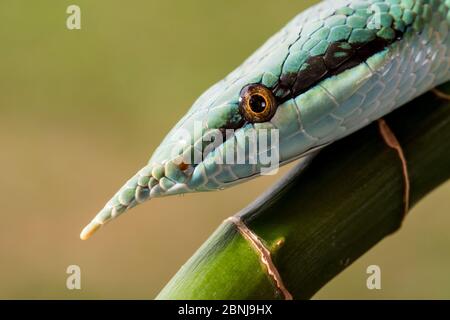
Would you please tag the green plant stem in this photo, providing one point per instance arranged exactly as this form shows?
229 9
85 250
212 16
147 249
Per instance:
317 221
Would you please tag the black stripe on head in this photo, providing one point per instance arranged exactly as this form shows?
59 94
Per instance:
340 56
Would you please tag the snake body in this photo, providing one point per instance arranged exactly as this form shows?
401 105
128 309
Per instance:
333 69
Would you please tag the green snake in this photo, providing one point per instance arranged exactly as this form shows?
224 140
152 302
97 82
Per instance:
333 69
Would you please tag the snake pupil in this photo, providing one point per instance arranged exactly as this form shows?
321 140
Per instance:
257 103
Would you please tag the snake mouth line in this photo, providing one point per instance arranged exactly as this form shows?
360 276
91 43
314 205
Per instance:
152 181
159 180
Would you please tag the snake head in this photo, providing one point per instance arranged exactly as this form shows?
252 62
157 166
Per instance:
286 101
230 134
224 139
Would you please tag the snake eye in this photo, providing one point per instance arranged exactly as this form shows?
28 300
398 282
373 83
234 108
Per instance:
257 103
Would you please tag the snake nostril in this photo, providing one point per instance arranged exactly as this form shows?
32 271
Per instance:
183 166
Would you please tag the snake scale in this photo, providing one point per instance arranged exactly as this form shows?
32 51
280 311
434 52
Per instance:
335 68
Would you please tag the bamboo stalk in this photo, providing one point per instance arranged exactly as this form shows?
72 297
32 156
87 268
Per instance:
316 222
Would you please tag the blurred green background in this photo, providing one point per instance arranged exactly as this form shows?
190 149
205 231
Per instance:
81 111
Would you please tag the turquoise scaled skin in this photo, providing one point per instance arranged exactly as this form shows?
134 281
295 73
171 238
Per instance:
415 59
